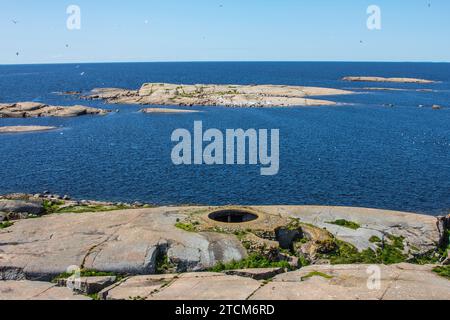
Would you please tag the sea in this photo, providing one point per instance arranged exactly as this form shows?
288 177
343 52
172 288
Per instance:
384 149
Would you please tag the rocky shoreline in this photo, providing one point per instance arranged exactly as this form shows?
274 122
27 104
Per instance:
43 235
35 110
216 95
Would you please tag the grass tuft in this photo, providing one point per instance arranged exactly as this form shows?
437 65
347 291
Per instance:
251 262
443 271
5 224
346 224
316 274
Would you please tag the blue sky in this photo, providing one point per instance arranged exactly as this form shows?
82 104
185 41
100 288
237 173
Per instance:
223 30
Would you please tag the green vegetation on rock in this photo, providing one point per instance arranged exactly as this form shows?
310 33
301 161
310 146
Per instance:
348 254
94 296
91 208
163 265
346 224
252 261
375 239
185 226
88 273
5 224
435 256
443 271
316 274
57 206
51 206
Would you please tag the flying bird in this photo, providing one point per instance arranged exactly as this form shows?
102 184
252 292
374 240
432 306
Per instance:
15 21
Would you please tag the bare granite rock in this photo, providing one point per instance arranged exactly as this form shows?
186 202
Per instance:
35 207
35 109
217 95
206 286
20 129
393 80
355 282
343 282
133 241
30 290
128 241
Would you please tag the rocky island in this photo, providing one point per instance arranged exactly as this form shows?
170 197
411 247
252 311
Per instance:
165 110
392 80
22 129
36 109
217 95
139 252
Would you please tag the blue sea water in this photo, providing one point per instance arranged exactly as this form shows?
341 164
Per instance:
358 154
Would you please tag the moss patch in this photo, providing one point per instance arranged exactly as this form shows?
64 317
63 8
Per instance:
252 261
348 254
94 296
87 273
185 226
90 208
443 271
6 224
375 239
163 265
51 206
316 274
435 256
346 224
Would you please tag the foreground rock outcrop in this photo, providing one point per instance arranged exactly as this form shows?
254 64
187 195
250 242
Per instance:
184 239
34 290
128 241
343 282
36 109
393 80
217 95
21 129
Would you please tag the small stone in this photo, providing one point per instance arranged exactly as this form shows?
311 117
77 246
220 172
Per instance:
66 197
3 216
88 285
18 215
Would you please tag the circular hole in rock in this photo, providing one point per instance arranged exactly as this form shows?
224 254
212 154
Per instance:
232 216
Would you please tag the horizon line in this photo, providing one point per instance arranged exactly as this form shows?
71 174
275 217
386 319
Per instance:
223 61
